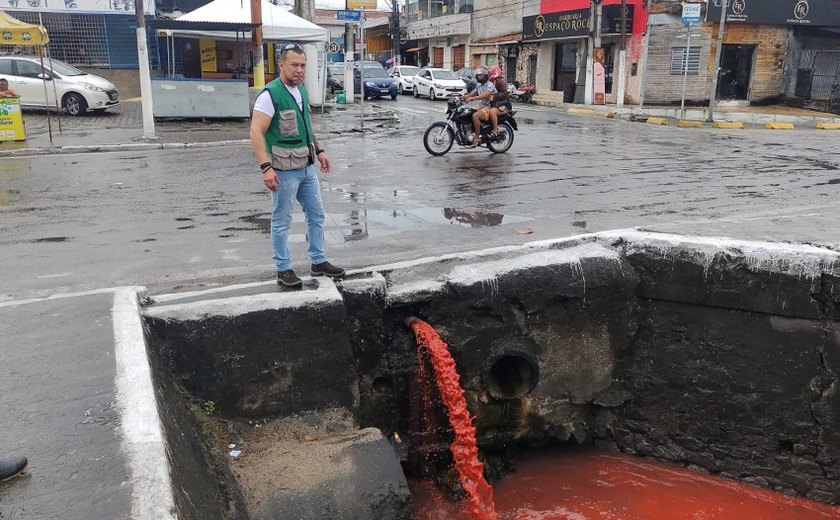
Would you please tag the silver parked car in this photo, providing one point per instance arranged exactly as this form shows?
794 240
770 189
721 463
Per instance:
77 90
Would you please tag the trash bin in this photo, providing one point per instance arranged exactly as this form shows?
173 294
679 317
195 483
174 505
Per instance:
341 98
569 95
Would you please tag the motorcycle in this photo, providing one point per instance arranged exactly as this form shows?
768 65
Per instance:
458 128
521 93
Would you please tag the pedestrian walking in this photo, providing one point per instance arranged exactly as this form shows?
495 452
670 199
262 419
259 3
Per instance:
286 148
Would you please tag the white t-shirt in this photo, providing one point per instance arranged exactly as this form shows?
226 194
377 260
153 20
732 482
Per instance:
266 106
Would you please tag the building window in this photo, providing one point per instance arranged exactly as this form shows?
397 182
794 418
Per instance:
678 61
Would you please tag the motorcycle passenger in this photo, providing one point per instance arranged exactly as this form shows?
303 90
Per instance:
500 103
484 92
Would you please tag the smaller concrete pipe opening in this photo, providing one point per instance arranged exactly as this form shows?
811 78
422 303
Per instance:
512 376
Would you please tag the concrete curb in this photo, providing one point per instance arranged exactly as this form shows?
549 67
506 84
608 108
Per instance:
123 147
149 146
591 112
701 115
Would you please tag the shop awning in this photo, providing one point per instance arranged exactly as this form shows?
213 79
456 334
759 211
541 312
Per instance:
277 23
15 32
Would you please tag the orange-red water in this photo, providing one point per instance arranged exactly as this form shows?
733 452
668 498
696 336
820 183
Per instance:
585 484
464 449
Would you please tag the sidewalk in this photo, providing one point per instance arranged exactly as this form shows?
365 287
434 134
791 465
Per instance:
74 403
753 115
121 128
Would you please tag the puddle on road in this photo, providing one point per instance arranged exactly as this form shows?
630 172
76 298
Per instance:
363 223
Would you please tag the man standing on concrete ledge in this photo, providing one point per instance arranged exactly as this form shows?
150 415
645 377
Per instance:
286 148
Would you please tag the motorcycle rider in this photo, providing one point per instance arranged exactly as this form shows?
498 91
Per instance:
484 92
500 103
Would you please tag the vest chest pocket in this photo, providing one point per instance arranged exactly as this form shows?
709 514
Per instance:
288 123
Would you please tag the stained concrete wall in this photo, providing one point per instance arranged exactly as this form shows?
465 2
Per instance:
718 354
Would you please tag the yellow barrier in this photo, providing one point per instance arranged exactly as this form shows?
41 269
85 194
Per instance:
828 126
657 121
590 112
11 120
727 124
690 124
779 126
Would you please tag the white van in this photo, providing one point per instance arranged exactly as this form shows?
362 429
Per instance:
78 91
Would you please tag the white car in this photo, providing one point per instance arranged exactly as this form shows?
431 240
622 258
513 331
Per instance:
438 84
77 91
404 75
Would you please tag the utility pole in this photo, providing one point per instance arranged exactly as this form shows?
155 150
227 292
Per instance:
349 57
622 57
645 55
589 86
594 43
395 32
145 74
257 44
305 9
713 96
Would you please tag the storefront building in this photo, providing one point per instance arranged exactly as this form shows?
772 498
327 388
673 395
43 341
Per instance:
441 29
784 50
85 33
560 32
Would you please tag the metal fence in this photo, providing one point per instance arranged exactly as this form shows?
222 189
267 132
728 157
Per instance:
92 40
820 85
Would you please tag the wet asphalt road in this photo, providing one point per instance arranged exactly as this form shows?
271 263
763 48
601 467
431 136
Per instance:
178 219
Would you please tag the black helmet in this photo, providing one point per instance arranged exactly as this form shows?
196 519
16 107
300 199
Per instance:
482 74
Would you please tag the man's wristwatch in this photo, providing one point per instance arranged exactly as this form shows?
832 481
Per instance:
264 166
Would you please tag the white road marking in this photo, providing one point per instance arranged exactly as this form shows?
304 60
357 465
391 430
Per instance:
56 275
94 292
142 432
413 111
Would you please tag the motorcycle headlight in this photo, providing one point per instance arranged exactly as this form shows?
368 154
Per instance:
92 87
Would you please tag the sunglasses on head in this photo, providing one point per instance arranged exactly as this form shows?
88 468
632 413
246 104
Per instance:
291 46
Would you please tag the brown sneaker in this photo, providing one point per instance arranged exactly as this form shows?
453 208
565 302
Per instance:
288 279
327 269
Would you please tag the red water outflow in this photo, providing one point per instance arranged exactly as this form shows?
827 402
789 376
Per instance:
464 449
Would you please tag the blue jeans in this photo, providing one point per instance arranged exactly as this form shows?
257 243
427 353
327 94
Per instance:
302 185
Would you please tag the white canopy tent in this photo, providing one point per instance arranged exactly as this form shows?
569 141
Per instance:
277 23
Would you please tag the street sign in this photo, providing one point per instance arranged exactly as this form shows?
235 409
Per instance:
335 48
691 14
361 4
348 15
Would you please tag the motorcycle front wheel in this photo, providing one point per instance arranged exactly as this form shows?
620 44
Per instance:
503 141
438 139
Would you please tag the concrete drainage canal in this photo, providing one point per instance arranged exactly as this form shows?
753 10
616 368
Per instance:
712 359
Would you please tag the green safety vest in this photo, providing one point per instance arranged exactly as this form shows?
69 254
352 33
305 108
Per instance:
282 132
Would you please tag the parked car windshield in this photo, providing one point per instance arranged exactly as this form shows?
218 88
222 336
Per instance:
445 74
374 72
59 67
409 71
